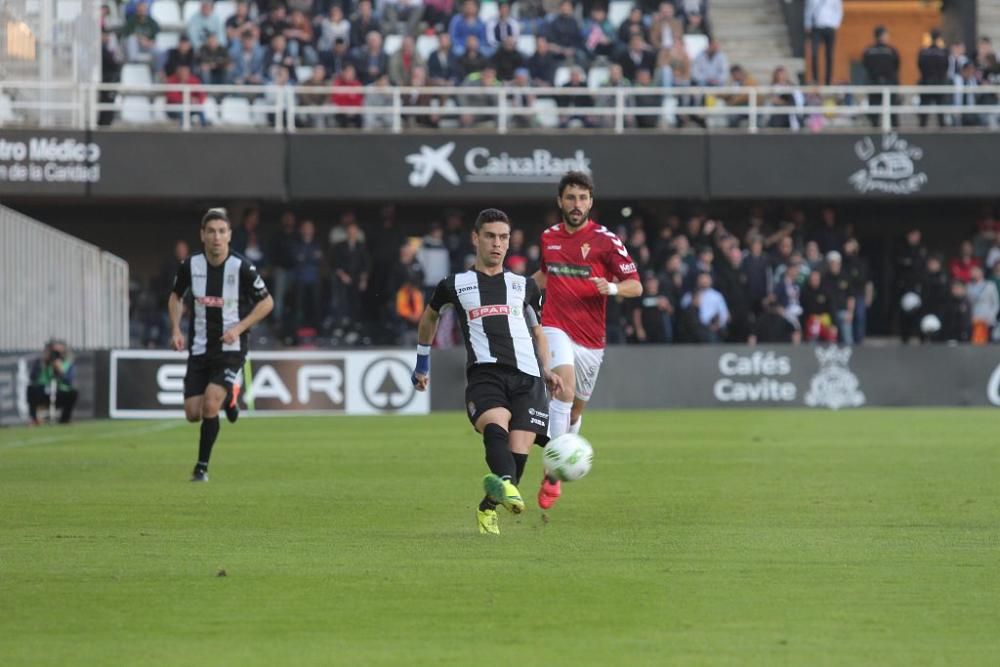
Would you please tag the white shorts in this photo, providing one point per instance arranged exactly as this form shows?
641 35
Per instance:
586 361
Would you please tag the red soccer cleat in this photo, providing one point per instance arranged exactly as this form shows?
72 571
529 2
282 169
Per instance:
549 493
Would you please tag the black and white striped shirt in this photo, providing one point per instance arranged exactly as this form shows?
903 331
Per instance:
496 314
217 297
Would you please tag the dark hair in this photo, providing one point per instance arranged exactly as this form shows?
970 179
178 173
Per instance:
880 30
215 214
490 215
577 178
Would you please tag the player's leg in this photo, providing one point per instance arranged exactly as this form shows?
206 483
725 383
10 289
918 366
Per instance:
528 419
562 364
499 485
234 381
587 363
195 384
211 404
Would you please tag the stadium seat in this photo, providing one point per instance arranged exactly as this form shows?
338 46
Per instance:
7 114
426 45
561 77
547 112
166 40
167 14
160 109
670 110
392 44
598 76
224 9
115 18
136 109
618 11
68 10
235 110
136 74
302 73
695 44
191 7
488 11
526 45
259 110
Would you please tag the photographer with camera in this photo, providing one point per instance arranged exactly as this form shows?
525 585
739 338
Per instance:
51 379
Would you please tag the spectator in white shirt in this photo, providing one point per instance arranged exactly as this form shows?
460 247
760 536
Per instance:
712 310
204 22
711 67
822 19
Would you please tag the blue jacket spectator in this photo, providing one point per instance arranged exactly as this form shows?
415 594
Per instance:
467 24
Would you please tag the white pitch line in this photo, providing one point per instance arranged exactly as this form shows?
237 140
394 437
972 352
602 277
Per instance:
113 435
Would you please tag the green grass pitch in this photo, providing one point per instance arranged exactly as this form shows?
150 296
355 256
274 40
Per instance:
733 537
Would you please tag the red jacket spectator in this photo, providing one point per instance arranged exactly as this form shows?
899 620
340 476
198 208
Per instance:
961 267
347 99
184 75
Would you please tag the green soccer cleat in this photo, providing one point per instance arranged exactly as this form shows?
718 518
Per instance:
503 492
489 522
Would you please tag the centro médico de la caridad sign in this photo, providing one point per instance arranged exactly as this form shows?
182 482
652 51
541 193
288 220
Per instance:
49 160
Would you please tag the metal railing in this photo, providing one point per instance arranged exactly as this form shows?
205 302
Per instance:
501 109
58 286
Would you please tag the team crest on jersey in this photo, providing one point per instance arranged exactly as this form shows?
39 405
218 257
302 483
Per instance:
585 250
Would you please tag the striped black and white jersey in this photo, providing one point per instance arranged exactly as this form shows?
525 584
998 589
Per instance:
496 314
217 297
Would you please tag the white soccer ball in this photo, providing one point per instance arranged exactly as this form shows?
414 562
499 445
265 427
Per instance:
568 457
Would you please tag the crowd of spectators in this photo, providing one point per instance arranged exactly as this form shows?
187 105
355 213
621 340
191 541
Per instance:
291 44
705 280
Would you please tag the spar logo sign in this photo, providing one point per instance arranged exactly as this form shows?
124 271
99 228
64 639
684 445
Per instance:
890 166
480 164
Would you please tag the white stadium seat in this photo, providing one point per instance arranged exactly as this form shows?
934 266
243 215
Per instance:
136 74
191 7
561 77
303 73
392 44
235 110
618 11
426 45
695 44
488 11
166 40
224 9
547 112
136 109
598 76
526 45
167 14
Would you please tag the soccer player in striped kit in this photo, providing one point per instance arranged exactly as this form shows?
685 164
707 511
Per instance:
225 297
583 264
505 391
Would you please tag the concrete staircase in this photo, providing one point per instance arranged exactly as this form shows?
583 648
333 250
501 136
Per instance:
752 33
988 20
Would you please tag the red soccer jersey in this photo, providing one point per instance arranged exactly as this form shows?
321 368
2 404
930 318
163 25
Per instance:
572 302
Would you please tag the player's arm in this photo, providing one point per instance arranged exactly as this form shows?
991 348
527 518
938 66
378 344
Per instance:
256 290
621 266
426 330
175 304
540 278
260 310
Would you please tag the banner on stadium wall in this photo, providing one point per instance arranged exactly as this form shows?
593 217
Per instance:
441 166
803 376
48 162
150 384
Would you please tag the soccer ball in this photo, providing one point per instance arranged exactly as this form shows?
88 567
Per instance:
568 457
